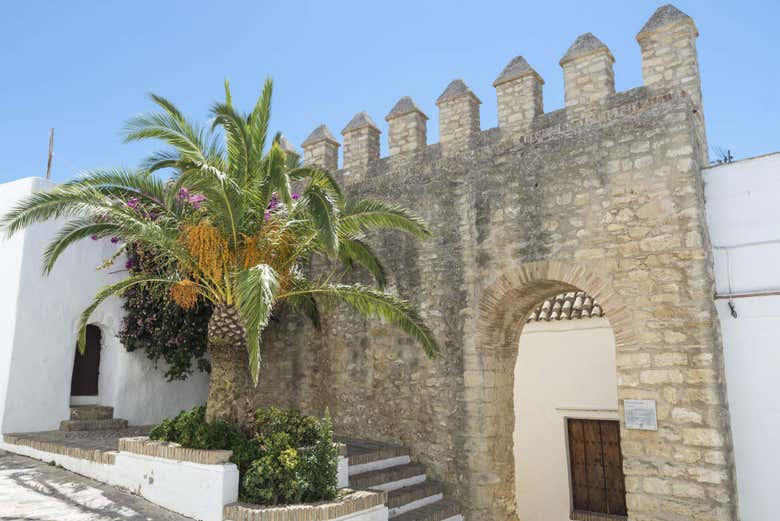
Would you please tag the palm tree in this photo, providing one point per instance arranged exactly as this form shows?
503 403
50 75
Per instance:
229 229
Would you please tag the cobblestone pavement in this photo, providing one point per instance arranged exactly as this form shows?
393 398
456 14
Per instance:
31 490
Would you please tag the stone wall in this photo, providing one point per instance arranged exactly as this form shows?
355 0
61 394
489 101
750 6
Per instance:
603 196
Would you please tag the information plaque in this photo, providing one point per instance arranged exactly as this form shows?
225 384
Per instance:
640 415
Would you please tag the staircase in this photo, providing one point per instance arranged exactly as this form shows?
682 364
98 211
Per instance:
411 496
92 418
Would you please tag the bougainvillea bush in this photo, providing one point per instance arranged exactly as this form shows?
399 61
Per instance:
161 328
285 457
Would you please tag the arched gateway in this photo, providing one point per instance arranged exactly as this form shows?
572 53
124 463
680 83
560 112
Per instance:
504 308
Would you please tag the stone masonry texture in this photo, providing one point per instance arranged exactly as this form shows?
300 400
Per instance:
604 198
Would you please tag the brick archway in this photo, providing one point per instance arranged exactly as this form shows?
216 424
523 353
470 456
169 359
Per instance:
489 371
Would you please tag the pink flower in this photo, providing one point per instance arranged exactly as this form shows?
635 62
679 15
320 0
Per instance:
114 240
196 200
94 237
296 196
267 215
184 194
133 203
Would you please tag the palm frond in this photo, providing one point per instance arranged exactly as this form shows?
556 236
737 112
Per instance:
275 179
72 232
322 212
320 178
56 203
259 118
255 296
372 303
105 293
237 139
353 250
373 214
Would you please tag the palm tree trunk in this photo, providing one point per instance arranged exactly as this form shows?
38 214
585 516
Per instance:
230 386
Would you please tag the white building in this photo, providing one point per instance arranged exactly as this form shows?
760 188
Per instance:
38 324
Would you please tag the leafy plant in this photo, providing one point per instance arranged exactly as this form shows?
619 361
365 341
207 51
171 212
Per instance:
287 458
159 327
227 228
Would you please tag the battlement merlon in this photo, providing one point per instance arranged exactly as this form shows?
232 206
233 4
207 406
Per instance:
588 76
408 130
669 57
288 148
458 114
321 149
361 143
519 96
669 61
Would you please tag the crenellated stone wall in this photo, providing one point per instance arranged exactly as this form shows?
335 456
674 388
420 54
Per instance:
603 196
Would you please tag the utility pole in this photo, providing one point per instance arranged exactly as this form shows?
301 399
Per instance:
51 152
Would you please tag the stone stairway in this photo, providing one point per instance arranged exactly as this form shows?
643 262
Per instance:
411 496
92 418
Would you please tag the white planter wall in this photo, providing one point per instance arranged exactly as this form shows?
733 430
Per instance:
195 490
743 214
38 324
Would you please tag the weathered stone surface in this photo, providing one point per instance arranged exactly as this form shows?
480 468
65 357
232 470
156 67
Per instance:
361 144
458 115
606 199
321 149
408 131
587 73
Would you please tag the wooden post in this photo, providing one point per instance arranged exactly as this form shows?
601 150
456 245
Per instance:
51 151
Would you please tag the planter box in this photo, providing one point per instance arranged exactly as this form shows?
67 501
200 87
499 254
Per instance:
359 505
195 483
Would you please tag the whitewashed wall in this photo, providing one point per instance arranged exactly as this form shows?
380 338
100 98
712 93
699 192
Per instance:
39 317
743 213
564 369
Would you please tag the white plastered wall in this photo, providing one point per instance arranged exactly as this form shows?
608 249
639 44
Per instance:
743 215
38 334
564 369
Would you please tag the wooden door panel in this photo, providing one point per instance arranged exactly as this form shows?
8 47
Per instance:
596 466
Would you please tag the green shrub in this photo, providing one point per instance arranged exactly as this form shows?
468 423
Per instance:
190 430
320 465
275 477
289 458
160 327
304 430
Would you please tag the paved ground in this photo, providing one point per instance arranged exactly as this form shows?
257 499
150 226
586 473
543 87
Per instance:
31 490
104 440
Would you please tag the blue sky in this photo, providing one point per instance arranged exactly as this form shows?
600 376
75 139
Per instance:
84 67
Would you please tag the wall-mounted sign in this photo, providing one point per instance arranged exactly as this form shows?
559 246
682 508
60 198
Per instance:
640 414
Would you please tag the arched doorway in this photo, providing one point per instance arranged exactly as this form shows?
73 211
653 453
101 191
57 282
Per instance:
86 369
489 364
568 462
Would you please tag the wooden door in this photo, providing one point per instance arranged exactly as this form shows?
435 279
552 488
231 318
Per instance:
596 467
86 367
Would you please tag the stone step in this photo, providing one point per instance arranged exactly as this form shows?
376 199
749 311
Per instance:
390 478
404 499
365 456
377 460
444 510
93 425
91 412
